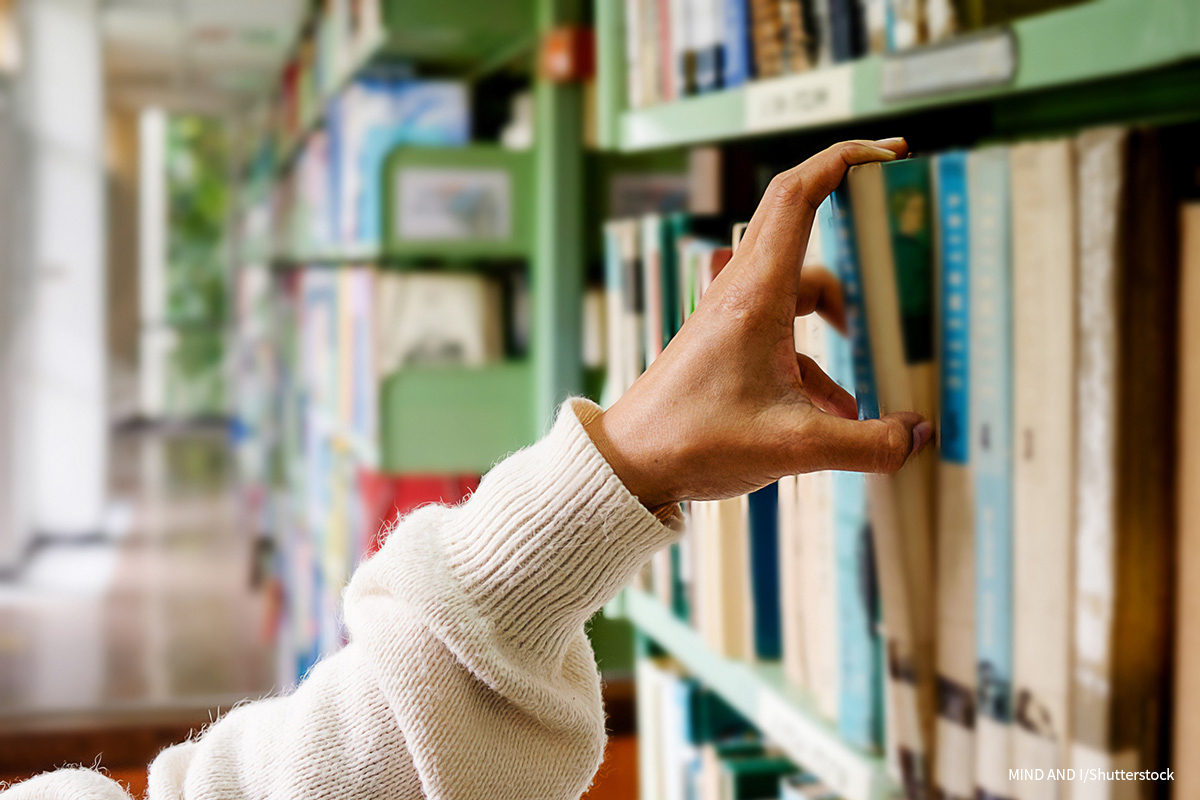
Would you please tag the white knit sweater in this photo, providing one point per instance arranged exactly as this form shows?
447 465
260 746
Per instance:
467 675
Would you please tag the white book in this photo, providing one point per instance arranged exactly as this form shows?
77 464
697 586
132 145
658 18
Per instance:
436 318
818 560
1043 220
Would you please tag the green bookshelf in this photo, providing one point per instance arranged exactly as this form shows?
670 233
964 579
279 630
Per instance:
1152 42
762 694
463 37
499 181
455 419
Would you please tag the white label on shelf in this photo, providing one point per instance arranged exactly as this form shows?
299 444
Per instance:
989 59
795 101
815 748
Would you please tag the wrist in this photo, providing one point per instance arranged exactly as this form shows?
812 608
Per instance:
631 458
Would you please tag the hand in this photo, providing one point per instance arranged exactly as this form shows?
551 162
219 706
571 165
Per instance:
729 406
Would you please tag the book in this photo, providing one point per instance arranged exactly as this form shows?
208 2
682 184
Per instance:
768 27
1043 232
846 29
991 426
814 518
1123 509
955 776
860 699
737 62
792 587
762 523
722 538
890 213
1186 725
438 319
654 292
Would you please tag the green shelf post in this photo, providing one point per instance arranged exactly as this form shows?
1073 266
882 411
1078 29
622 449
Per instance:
557 269
611 83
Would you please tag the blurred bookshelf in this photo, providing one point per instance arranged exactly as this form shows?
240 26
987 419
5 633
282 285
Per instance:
377 368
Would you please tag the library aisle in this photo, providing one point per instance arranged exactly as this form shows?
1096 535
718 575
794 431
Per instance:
162 616
292 291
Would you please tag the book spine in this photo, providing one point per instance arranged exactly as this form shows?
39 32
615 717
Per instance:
764 585
1186 731
861 713
1043 232
1123 516
815 502
955 777
633 54
821 31
675 227
1100 174
892 231
991 434
791 585
708 45
737 61
860 700
768 37
652 286
668 89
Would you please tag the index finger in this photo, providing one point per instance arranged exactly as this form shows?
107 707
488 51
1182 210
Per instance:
784 217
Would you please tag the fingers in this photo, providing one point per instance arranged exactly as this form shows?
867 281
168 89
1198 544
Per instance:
821 291
784 217
824 391
873 445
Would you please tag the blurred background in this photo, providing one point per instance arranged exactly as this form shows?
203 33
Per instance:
275 273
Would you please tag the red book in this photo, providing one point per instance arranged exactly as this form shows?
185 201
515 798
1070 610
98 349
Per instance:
386 498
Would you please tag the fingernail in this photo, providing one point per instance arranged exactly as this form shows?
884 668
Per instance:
891 140
921 436
884 154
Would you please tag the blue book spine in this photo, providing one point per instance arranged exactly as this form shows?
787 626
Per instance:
764 572
860 696
954 352
738 63
992 434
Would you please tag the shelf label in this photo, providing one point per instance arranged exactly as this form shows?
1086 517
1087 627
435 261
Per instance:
974 62
815 748
795 101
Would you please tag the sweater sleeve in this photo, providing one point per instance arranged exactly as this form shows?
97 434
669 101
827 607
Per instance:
468 673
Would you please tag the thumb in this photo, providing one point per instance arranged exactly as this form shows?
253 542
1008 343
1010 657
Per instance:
869 445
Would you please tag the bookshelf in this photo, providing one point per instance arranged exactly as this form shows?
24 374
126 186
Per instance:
454 419
1148 41
761 693
425 424
1053 73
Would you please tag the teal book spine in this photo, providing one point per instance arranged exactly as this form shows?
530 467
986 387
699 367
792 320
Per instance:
860 684
955 687
954 362
991 426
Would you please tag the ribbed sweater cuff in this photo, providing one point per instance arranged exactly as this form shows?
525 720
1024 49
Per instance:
558 535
